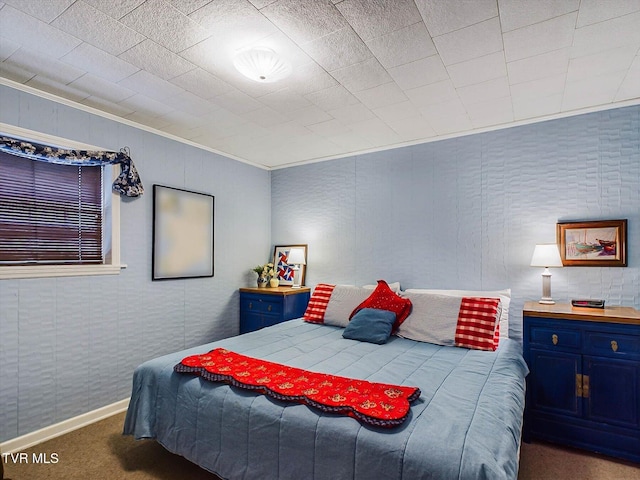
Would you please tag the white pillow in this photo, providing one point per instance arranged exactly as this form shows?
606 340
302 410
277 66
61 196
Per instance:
504 295
344 299
395 286
433 318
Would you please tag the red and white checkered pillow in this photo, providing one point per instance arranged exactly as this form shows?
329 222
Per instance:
477 323
462 321
318 302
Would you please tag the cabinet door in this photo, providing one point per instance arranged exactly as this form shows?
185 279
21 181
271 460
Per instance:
250 313
554 382
614 391
268 320
295 305
250 322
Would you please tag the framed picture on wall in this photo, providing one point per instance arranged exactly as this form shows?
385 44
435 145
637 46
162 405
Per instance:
182 234
593 244
285 270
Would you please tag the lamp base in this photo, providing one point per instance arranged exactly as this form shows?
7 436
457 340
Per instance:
546 288
296 276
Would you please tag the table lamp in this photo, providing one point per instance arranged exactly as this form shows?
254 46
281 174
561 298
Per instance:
295 259
546 255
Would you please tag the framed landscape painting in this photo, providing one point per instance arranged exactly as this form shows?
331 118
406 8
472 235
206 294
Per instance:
600 243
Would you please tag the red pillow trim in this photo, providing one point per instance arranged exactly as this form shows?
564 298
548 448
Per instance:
383 298
318 302
477 321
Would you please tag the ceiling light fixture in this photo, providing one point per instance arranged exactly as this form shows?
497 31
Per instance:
262 64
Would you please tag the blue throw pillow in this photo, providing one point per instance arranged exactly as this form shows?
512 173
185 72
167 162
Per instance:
370 325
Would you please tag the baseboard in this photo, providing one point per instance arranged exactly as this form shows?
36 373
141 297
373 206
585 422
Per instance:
34 438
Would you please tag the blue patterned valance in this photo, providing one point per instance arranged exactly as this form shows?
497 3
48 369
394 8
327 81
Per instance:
128 182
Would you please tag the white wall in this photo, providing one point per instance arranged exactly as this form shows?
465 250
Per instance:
69 345
467 212
461 213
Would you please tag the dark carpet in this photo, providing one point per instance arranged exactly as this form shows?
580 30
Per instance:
100 452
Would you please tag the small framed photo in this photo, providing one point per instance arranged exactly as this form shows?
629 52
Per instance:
593 244
282 267
182 234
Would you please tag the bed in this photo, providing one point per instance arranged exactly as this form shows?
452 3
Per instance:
466 424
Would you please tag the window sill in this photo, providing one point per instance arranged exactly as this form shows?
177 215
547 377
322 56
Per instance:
58 271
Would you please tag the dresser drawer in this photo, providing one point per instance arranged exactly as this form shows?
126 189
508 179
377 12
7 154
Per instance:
262 305
547 336
611 344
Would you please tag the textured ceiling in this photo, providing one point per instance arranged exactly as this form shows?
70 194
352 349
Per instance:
367 74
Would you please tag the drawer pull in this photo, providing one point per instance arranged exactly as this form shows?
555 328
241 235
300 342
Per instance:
614 345
250 305
554 339
269 308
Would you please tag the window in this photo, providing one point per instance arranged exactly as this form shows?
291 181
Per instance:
49 214
56 220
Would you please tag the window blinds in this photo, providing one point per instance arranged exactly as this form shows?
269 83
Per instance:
49 213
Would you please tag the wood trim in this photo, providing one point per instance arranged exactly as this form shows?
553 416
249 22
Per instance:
565 311
276 291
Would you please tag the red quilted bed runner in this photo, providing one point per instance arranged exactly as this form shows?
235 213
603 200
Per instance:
377 404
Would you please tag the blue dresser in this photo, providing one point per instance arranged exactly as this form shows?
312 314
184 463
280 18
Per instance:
262 307
584 386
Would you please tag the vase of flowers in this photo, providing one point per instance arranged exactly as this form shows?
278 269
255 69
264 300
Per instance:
265 272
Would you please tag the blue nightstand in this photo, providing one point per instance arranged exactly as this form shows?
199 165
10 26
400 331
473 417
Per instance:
262 307
584 386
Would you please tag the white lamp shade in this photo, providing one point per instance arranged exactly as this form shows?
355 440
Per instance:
546 255
262 65
296 257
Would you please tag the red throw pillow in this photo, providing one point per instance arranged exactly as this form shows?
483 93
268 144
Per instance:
318 302
383 298
477 323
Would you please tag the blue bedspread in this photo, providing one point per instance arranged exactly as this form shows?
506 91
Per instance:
465 425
